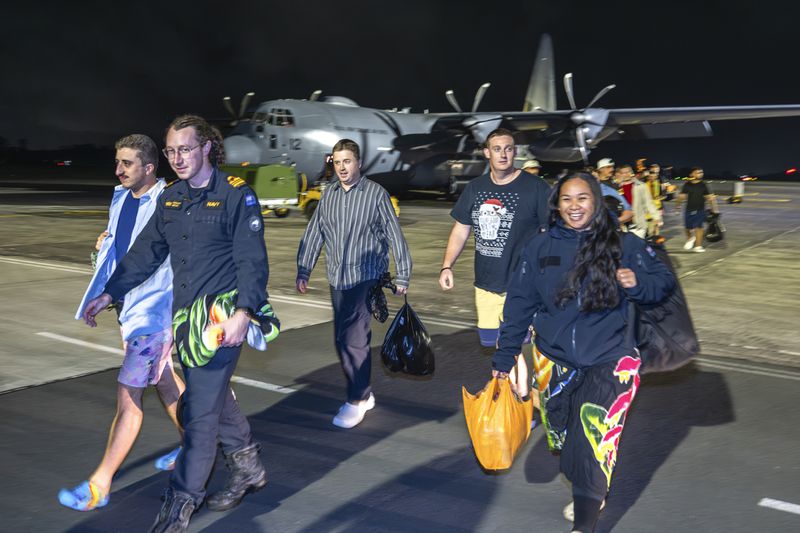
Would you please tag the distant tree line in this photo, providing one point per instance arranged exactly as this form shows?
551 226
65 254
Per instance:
78 155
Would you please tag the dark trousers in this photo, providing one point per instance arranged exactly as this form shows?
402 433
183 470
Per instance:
352 335
209 412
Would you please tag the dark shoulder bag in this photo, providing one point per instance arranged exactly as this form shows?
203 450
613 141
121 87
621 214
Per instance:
663 332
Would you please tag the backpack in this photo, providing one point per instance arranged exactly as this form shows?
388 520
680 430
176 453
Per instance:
663 332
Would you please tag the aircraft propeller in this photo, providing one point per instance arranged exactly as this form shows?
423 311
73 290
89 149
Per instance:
588 119
226 101
451 97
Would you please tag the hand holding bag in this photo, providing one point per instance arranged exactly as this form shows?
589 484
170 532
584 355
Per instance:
499 423
407 345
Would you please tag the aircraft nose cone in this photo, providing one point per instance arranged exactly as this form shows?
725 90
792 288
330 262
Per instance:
239 149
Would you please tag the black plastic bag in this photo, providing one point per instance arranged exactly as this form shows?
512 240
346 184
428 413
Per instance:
407 346
716 230
663 332
376 300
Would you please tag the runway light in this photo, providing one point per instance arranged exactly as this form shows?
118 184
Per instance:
791 171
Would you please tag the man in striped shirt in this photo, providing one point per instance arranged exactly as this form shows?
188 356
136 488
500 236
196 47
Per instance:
357 224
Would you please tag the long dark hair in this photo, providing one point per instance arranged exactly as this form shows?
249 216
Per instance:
593 276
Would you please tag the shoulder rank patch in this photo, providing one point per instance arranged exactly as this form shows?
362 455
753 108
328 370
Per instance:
171 183
235 181
213 204
254 222
172 204
250 200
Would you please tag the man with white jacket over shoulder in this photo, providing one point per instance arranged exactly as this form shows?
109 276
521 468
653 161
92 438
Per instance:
145 318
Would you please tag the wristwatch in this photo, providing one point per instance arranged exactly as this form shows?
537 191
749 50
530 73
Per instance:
247 311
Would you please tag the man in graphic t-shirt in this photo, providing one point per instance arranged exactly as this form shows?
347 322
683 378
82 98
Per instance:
504 209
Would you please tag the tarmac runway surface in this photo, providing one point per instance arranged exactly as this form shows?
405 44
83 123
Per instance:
711 447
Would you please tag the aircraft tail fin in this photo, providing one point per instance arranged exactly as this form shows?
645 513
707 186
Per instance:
541 93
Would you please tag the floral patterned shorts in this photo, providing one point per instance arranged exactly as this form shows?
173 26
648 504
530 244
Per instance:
146 357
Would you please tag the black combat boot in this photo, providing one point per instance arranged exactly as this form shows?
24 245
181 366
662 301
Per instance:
247 475
175 513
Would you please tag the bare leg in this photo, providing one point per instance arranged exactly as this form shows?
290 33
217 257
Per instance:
698 237
124 430
169 388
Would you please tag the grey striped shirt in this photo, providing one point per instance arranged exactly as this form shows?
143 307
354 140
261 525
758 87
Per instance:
357 228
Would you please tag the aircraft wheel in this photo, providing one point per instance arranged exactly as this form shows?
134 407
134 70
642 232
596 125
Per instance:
452 189
282 213
310 207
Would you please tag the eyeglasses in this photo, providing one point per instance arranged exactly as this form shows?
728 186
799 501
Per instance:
169 153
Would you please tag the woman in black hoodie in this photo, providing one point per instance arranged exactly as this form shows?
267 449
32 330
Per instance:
574 278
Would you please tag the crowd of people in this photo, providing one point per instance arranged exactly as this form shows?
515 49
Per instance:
638 195
185 266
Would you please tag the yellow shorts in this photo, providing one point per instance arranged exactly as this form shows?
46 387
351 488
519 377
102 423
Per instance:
490 308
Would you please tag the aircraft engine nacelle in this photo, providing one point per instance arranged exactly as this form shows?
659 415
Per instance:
592 121
241 149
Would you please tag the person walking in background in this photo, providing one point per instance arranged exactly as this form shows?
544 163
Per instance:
503 209
638 195
695 193
653 182
356 222
532 167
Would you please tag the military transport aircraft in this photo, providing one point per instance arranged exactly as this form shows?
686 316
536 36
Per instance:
404 150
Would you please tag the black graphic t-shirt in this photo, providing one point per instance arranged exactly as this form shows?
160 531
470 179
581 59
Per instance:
503 219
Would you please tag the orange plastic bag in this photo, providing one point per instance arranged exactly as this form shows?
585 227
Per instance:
498 423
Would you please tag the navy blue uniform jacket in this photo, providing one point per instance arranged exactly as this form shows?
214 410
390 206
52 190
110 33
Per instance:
215 241
568 336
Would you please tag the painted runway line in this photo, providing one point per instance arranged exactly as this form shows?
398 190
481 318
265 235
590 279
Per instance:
118 351
780 505
319 304
262 385
78 342
44 264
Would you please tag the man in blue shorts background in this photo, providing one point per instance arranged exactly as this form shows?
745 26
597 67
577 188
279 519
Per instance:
695 193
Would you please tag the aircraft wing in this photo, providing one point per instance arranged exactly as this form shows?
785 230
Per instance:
663 115
642 123
540 120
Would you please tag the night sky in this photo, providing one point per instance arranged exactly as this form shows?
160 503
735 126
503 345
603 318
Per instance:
90 72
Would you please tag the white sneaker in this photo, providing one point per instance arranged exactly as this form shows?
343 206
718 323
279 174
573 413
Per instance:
569 510
351 415
698 249
689 244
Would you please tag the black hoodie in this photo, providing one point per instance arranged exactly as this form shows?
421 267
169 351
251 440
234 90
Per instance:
568 336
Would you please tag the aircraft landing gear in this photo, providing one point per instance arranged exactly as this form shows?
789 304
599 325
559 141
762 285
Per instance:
279 212
452 190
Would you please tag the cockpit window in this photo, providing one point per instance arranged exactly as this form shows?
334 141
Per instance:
281 117
259 116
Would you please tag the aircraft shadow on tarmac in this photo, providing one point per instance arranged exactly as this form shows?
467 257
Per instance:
667 406
301 447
